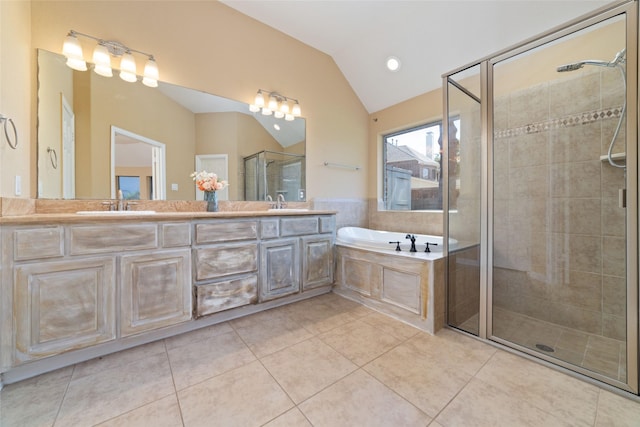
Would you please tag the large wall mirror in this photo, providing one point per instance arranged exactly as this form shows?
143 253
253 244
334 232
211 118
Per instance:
78 110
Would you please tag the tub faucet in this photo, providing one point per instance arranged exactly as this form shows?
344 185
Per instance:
413 242
280 203
397 245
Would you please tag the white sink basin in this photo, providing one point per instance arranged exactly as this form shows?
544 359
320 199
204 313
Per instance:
115 213
289 210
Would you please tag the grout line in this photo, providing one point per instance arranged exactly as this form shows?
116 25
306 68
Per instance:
173 380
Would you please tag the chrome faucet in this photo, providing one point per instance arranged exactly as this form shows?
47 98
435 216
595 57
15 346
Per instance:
121 203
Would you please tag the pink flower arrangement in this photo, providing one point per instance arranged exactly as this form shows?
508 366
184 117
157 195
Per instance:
208 181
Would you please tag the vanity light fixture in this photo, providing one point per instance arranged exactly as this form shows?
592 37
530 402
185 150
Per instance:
102 54
278 105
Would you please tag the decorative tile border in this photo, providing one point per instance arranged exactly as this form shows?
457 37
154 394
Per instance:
562 122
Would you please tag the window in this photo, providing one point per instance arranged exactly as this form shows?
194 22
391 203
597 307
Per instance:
130 186
412 168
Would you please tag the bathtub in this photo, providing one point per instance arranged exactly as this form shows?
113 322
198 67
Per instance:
408 286
379 240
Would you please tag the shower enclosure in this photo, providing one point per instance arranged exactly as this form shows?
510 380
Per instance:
542 195
268 174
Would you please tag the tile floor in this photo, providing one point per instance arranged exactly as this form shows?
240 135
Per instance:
326 361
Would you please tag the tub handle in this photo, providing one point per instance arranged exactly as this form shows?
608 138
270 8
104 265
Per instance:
397 246
427 248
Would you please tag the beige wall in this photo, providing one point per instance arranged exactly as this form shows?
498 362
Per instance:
16 97
203 45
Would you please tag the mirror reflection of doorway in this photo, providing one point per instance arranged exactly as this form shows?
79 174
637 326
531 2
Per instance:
137 161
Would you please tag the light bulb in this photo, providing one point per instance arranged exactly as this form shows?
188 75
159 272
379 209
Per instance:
102 61
278 114
128 68
254 108
259 101
284 107
151 75
288 117
73 51
273 103
296 110
266 111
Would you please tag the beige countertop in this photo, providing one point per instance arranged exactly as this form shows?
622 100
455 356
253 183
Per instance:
158 216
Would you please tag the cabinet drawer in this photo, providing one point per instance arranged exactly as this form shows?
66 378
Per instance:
174 235
38 243
226 294
110 238
298 226
223 260
225 231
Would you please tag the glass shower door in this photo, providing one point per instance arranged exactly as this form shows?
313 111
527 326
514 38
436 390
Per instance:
463 201
559 220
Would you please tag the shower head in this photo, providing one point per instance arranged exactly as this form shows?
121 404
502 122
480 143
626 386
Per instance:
619 58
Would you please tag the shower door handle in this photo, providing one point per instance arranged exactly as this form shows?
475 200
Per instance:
622 197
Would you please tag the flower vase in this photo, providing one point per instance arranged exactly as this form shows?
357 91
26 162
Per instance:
211 198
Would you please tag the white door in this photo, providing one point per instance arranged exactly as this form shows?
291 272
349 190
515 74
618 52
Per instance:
218 164
68 151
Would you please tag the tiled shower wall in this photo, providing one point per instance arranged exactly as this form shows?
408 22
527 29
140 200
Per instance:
559 246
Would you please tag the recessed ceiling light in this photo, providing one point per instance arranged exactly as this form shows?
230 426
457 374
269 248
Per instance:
393 63
276 126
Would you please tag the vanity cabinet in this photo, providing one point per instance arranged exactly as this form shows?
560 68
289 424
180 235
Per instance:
78 285
225 265
280 266
72 289
155 290
296 255
317 261
63 305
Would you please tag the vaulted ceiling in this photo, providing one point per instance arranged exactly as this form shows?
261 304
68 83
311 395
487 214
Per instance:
430 37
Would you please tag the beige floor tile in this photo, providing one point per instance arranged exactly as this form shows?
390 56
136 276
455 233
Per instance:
345 305
161 413
480 404
307 367
360 342
360 400
96 398
614 410
205 358
262 317
119 359
247 396
273 333
549 390
453 350
318 317
197 335
34 402
291 418
391 326
429 385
